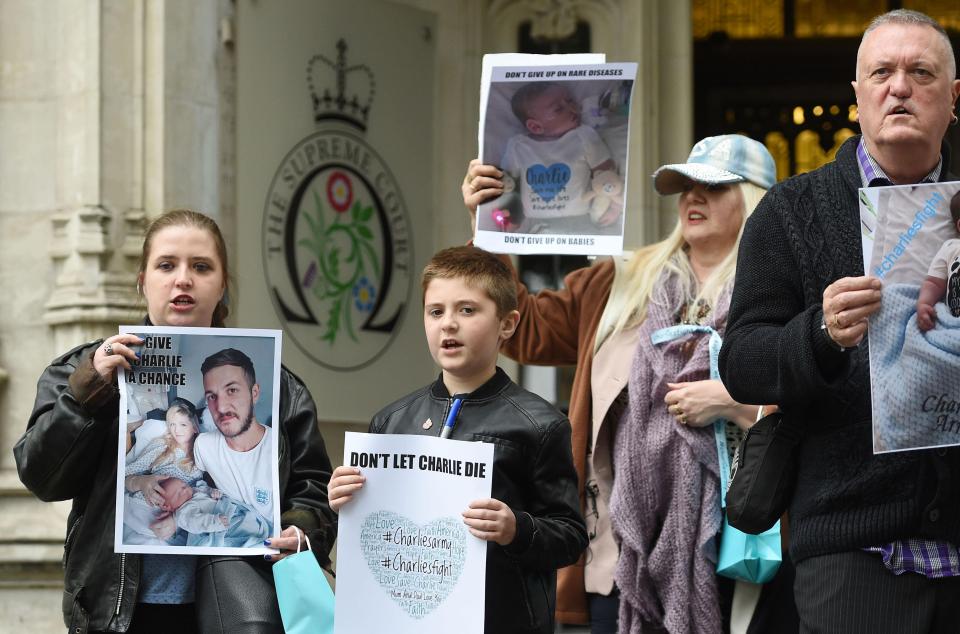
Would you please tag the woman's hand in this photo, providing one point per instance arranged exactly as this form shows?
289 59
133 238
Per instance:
113 353
482 183
286 543
847 303
149 485
344 482
699 403
491 520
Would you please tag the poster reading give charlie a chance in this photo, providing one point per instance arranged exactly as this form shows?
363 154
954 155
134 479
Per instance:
912 233
197 453
406 562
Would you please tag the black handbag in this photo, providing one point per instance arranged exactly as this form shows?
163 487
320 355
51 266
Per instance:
763 474
235 595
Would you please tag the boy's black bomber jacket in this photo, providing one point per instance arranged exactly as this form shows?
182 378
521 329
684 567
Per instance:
533 474
69 451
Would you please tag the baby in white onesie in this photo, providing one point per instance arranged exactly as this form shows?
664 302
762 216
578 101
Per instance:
558 158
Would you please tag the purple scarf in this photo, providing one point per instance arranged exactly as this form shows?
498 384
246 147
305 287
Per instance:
665 504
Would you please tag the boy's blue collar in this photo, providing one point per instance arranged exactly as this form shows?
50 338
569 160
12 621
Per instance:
491 388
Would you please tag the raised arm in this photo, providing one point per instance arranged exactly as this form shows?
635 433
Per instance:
554 323
74 419
481 183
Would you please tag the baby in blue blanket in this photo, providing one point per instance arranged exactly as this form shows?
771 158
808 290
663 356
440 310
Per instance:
211 518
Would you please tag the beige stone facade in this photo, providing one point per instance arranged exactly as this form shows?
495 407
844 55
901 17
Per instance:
112 111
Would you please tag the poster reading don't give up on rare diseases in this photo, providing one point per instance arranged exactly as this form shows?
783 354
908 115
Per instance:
406 562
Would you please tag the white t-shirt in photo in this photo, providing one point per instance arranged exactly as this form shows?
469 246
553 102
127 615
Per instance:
243 475
555 175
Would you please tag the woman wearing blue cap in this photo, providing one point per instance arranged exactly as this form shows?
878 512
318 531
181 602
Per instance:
596 322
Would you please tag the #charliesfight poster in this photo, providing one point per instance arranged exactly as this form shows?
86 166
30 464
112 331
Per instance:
197 465
406 563
911 235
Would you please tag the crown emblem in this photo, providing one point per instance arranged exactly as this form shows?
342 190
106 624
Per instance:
355 109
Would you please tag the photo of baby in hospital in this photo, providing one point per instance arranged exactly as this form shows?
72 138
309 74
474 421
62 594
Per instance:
198 467
914 337
562 145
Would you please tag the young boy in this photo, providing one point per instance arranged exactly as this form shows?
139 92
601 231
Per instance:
558 160
533 523
943 278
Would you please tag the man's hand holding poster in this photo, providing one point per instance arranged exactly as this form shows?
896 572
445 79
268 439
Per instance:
915 336
197 469
559 134
406 561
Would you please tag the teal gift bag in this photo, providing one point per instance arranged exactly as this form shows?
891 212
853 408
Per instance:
753 558
304 595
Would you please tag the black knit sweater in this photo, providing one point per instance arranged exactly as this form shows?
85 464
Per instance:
803 236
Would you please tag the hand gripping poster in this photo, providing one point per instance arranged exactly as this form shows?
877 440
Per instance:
405 560
914 338
559 134
197 465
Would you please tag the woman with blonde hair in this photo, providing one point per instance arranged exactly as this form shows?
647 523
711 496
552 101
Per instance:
594 322
169 455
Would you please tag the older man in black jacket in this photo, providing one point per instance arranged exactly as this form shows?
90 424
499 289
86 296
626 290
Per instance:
875 538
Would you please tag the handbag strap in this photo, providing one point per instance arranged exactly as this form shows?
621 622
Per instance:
305 538
720 425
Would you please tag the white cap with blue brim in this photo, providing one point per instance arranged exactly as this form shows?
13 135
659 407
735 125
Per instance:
716 160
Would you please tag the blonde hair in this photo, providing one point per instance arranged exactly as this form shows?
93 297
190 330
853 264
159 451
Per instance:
648 264
184 407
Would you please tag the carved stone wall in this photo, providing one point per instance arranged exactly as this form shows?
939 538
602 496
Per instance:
110 112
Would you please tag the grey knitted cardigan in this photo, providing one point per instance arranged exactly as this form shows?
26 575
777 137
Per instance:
665 505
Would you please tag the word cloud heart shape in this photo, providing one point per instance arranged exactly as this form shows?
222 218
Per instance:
417 566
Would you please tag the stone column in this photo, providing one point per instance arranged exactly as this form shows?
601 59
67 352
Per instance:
110 112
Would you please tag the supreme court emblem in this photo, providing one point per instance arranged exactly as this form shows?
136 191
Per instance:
337 244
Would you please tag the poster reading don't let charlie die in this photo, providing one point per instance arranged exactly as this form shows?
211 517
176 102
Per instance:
405 560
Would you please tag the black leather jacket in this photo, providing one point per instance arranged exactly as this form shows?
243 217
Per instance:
69 451
533 474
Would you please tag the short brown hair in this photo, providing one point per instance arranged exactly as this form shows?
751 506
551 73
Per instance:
477 268
195 219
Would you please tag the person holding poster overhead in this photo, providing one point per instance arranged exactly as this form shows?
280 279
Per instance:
532 523
594 322
66 453
875 537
